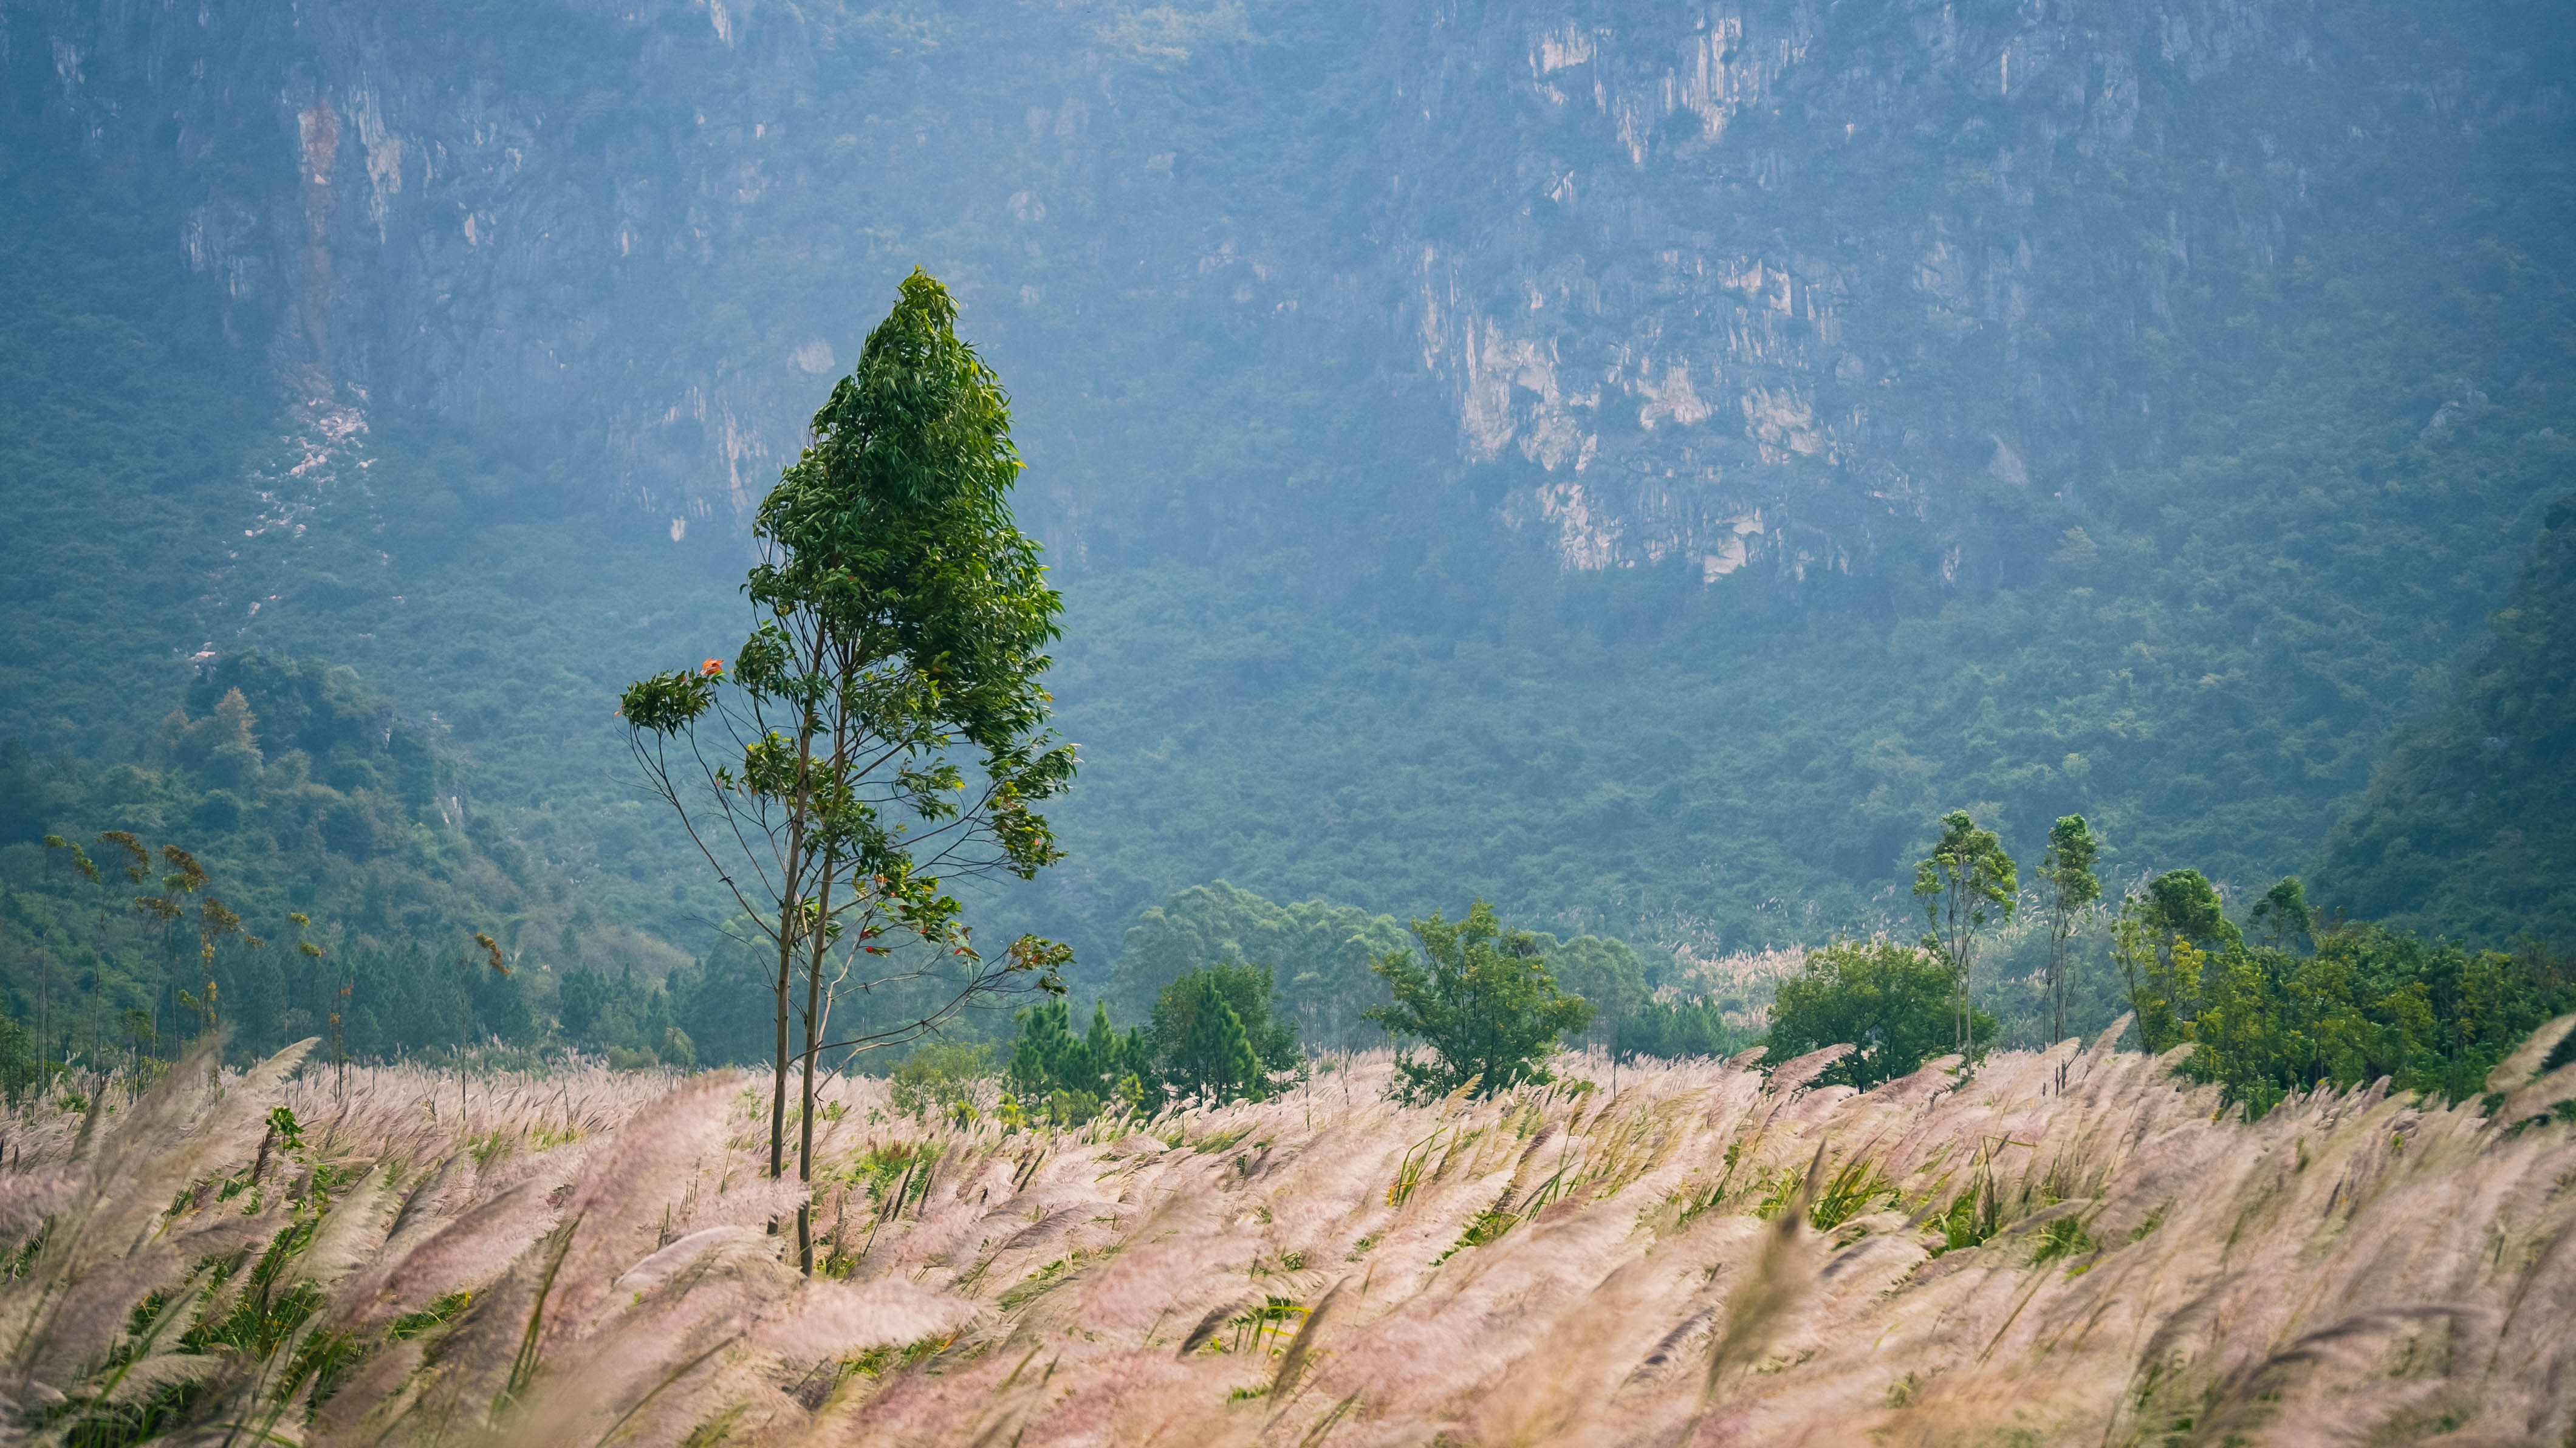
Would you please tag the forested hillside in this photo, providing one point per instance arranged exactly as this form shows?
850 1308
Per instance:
1635 468
288 858
2468 827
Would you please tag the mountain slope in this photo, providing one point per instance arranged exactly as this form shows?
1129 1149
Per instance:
2469 826
1860 286
1640 467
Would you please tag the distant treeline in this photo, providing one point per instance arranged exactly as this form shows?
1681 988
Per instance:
292 860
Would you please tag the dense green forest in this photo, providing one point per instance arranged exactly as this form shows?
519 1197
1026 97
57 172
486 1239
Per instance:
405 834
2467 827
1306 649
291 859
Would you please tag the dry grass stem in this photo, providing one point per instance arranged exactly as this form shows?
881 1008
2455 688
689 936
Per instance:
2064 1247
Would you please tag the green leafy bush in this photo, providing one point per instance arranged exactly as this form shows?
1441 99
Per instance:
1481 998
1893 1002
2369 1002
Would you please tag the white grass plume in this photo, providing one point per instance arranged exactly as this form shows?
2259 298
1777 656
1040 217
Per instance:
2069 1246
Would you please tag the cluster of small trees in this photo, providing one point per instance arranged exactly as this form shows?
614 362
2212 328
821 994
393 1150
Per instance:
2287 1003
1479 998
155 912
2282 1003
1213 1037
1899 1005
1483 1008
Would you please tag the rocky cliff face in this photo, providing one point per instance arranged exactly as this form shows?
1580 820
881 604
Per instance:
1760 285
1758 277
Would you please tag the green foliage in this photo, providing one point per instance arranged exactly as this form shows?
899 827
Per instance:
1246 990
1976 1215
1319 954
895 527
1855 1188
1895 1003
2283 914
2166 933
899 608
2066 872
897 1174
1486 1226
1212 1060
1213 1038
1482 999
2468 827
2184 903
1782 1189
1965 884
1075 1076
2370 1002
440 1311
2160 970
2063 1237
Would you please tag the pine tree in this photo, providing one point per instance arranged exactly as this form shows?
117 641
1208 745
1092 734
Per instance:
1122 1064
1047 1057
1213 1059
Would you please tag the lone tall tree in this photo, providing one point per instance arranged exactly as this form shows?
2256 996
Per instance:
1966 883
2068 870
901 621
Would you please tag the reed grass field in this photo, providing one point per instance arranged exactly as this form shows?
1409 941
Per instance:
2064 1247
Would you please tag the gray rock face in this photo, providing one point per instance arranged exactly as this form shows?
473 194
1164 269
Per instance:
1745 284
1762 276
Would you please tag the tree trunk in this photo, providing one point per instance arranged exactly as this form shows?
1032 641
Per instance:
778 1077
791 915
819 944
2056 985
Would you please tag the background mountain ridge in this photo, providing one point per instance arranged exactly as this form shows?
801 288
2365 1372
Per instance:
1747 432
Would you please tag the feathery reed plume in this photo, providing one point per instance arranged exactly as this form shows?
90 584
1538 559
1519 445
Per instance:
1778 1277
2071 1246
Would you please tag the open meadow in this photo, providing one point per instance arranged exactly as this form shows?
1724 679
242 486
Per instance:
2065 1247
